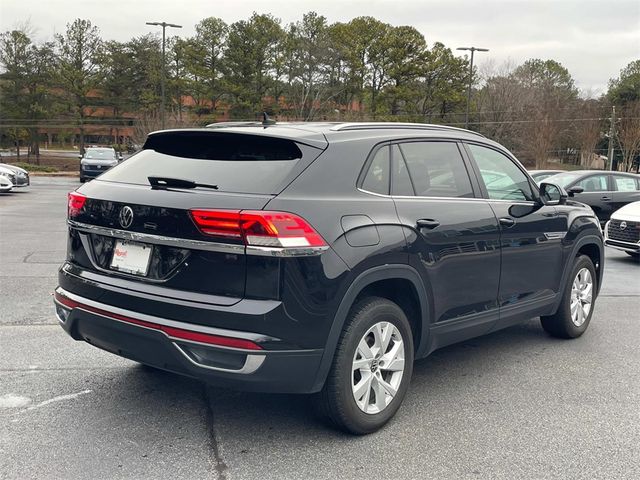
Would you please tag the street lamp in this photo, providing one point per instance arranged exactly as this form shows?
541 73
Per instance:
472 50
164 26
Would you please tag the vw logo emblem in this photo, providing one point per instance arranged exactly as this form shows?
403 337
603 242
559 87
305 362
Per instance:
126 216
623 225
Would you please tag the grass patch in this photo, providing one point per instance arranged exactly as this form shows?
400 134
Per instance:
29 167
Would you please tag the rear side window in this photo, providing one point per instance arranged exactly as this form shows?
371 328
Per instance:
436 169
377 178
625 184
234 162
501 176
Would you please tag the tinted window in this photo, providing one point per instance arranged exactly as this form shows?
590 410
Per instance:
401 181
377 178
234 162
436 169
501 176
625 184
594 183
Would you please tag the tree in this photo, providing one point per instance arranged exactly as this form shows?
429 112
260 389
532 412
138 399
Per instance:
307 47
629 134
251 56
78 60
204 61
588 129
626 88
25 87
548 90
407 63
443 85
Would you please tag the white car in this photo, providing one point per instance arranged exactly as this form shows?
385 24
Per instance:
7 178
21 175
622 231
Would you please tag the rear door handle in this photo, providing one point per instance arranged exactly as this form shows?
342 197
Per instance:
507 222
605 198
427 223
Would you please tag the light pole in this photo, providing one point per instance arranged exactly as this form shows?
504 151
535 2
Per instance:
472 50
164 26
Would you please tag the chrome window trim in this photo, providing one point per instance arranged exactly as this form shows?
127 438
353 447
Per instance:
418 197
198 244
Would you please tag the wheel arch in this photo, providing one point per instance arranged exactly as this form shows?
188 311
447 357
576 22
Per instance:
592 246
373 281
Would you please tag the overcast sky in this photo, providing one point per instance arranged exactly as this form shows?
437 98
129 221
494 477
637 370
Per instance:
594 39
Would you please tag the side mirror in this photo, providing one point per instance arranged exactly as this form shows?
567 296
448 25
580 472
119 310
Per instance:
552 194
573 190
80 157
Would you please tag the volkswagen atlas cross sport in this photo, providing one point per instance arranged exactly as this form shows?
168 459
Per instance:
320 258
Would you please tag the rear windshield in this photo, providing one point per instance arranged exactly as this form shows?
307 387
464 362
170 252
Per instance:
234 162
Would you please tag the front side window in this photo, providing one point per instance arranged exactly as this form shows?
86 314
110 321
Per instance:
436 169
625 184
501 176
594 183
377 178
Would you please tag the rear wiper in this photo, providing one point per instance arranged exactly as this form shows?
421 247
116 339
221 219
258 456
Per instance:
168 182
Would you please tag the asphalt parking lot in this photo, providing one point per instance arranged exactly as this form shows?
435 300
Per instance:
514 404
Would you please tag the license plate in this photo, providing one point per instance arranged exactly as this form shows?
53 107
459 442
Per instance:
131 257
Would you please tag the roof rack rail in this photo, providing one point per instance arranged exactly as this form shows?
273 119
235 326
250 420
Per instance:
235 124
405 126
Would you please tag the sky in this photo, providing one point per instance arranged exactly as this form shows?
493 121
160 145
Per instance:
594 39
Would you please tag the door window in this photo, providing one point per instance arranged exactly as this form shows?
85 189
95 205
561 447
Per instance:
436 169
625 184
594 183
501 176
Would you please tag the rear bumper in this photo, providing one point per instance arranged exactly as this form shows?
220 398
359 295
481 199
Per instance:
186 348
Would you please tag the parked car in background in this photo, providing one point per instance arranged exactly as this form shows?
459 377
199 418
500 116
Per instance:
6 180
539 175
97 160
623 229
21 175
321 258
605 192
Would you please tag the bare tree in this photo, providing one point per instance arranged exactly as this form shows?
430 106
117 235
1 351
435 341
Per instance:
152 122
629 134
588 129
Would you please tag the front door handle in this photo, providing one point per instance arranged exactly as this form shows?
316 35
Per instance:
605 198
427 223
507 222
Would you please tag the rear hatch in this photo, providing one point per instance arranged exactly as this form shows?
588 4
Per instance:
127 231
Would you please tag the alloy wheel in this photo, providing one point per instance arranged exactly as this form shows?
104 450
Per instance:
377 368
581 297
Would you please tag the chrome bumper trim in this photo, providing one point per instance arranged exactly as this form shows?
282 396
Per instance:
197 244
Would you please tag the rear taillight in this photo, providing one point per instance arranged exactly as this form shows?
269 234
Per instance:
76 202
258 228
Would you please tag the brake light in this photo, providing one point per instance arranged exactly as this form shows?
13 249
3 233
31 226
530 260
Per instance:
75 204
258 228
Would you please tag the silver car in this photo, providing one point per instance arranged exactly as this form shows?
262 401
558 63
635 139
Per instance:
19 176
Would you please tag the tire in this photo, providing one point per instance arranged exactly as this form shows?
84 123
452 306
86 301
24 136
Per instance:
563 324
82 179
337 399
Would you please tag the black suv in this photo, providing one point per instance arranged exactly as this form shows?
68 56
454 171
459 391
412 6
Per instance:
321 257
